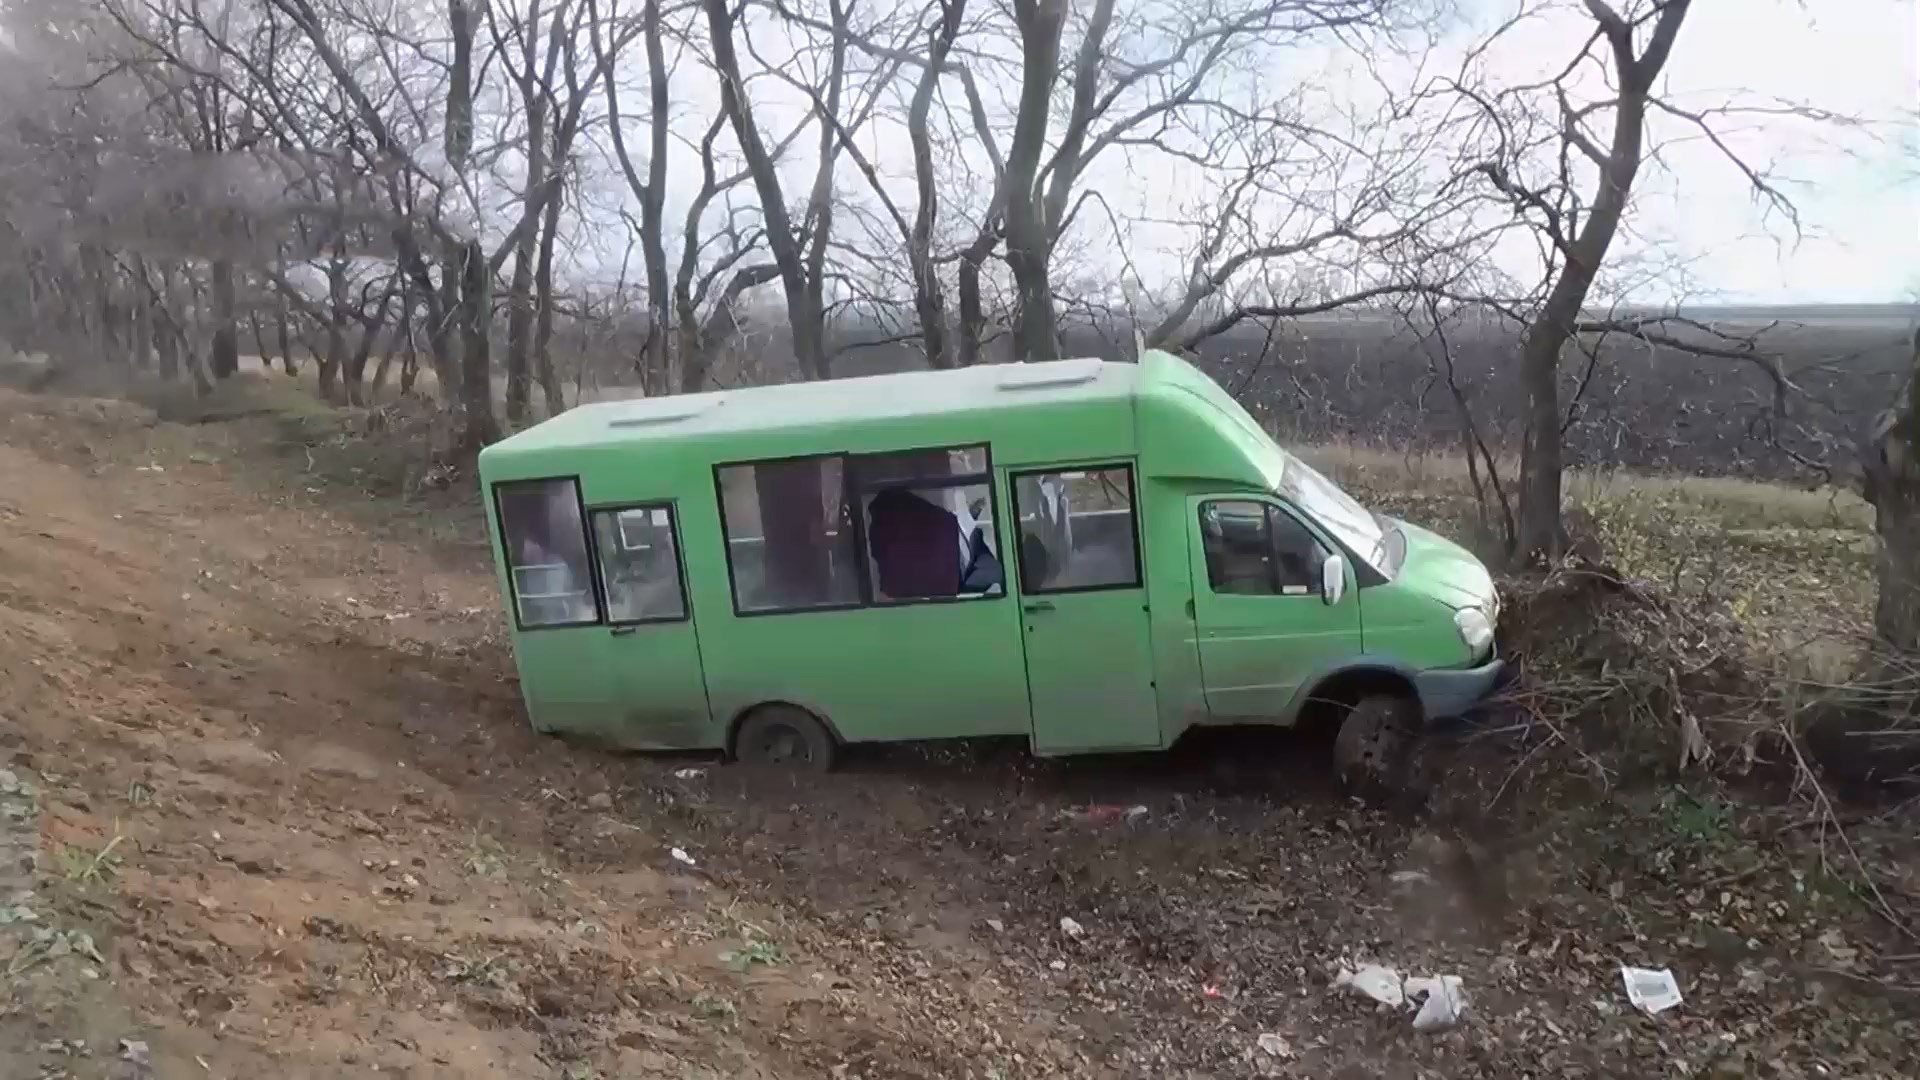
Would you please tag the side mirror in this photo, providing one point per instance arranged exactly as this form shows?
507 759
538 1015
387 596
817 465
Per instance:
1333 579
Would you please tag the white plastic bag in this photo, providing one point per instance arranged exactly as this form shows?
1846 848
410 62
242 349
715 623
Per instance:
1651 990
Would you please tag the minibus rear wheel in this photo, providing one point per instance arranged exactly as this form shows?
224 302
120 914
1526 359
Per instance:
783 736
1373 751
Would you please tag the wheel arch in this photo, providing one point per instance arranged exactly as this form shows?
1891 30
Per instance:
1343 686
741 714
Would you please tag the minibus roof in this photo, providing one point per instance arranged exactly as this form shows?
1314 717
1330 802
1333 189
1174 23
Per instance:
1181 422
825 404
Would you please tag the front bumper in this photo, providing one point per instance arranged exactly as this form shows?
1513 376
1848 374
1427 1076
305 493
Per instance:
1446 693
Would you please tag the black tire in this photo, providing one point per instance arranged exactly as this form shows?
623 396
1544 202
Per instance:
1373 752
784 737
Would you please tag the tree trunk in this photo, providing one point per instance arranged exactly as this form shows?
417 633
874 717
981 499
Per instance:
356 372
550 386
653 242
526 249
260 348
224 353
335 355
480 427
283 336
701 339
402 326
973 315
1029 248
929 300
166 351
443 333
410 357
804 314
1541 533
96 307
520 332
168 334
1036 334
1892 473
692 351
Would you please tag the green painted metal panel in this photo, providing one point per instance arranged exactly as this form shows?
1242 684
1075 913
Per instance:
1257 647
1085 609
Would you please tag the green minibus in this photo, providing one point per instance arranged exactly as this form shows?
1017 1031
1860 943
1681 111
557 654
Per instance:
1096 556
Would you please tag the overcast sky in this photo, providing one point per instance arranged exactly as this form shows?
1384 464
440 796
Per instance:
1861 213
1694 213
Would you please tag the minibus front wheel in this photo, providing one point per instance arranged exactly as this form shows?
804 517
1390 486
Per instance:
783 736
1374 748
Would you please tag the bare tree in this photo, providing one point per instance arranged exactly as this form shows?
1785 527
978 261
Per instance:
1891 460
1584 246
554 91
651 189
794 262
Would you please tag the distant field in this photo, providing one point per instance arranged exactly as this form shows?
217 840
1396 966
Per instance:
1366 378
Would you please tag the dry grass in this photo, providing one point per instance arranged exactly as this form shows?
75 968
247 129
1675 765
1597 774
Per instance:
1731 501
1792 566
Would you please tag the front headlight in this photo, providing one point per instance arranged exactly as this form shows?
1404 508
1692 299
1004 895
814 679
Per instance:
1475 628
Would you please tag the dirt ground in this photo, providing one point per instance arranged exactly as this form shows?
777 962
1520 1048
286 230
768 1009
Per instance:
274 810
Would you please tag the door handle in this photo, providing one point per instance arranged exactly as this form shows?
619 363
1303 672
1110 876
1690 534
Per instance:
622 631
1038 606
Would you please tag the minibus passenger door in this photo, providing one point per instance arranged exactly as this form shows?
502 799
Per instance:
619 662
1261 620
650 641
1084 610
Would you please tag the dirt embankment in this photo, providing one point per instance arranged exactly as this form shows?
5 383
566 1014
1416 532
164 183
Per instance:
289 821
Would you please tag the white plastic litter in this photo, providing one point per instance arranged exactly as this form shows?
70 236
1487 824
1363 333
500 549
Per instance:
680 856
1445 1004
1071 928
1441 1000
1377 981
1274 1045
689 774
1651 990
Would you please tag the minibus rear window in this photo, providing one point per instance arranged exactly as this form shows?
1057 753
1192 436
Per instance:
546 544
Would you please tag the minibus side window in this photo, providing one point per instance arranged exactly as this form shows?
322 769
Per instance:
546 545
928 521
639 564
1297 554
1255 548
1076 530
789 534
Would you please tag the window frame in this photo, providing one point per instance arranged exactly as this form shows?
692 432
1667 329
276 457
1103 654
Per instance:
726 539
1269 508
1133 516
862 487
520 625
854 485
671 506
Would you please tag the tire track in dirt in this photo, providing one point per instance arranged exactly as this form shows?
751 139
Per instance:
330 841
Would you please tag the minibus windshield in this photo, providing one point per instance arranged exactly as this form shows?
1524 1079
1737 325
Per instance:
1371 536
